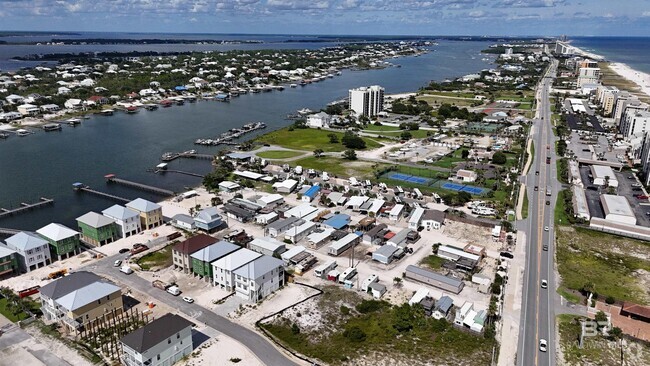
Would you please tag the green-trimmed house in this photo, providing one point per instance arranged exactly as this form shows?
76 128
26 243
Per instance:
201 259
8 261
97 229
64 242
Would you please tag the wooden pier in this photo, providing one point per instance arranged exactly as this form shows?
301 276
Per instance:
181 172
25 207
8 232
111 178
80 187
188 155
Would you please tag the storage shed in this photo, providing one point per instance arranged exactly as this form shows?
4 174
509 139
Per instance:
434 279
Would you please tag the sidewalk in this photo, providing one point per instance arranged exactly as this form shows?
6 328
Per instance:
511 312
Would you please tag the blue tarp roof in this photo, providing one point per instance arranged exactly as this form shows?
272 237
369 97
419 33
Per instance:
338 221
312 191
180 87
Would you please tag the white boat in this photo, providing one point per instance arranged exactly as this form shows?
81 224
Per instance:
294 85
22 132
305 111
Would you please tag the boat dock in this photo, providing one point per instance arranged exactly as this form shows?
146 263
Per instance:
111 178
25 207
8 232
181 172
170 156
80 187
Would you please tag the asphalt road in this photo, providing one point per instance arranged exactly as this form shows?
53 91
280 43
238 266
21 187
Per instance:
259 345
538 315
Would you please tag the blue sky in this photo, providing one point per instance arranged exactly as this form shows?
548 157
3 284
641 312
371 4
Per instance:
417 17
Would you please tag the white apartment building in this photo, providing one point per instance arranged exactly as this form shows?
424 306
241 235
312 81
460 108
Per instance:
588 75
367 101
633 122
223 268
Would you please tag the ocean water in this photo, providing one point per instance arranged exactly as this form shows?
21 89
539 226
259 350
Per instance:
633 51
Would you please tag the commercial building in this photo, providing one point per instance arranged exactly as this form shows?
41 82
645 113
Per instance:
182 251
127 220
32 251
202 259
97 229
151 215
64 242
163 342
434 279
79 299
367 101
603 175
259 278
617 209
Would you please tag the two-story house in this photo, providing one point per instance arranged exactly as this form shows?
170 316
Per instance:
80 298
64 242
97 229
223 268
182 251
208 219
127 220
151 215
259 278
32 250
163 342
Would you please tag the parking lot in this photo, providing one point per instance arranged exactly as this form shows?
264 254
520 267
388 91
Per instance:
624 189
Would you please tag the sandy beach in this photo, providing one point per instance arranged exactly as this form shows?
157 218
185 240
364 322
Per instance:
641 79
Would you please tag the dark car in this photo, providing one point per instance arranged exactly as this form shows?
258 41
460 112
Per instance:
545 247
507 255
548 203
537 172
536 188
123 250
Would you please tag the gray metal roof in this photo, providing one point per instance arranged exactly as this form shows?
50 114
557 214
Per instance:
93 219
209 214
434 276
142 205
25 241
444 304
183 218
120 212
152 334
386 250
282 223
259 267
68 284
5 251
86 295
215 251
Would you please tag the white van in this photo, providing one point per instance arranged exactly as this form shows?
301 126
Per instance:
126 270
174 290
325 176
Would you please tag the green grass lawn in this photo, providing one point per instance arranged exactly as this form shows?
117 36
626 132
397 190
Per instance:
524 208
390 131
308 139
561 217
8 314
340 167
460 102
433 262
609 262
159 258
278 154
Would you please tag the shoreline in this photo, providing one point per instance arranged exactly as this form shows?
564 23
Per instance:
641 79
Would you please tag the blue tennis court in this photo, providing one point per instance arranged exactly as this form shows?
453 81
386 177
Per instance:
462 188
409 178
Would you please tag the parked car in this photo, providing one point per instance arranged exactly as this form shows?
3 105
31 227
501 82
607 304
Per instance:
642 197
507 255
124 250
188 299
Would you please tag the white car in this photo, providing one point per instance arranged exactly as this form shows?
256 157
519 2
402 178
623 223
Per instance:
544 284
117 263
543 346
188 299
545 228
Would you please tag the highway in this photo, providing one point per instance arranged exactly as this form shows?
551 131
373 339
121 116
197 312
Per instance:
257 344
538 315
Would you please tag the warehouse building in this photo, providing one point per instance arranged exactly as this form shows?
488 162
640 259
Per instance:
603 174
617 209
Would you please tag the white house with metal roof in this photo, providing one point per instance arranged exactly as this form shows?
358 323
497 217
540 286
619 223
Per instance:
33 251
223 268
416 218
127 220
259 278
300 211
267 246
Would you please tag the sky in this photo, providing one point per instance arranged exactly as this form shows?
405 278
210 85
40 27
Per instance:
367 17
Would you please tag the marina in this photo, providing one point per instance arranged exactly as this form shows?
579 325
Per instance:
25 207
233 133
